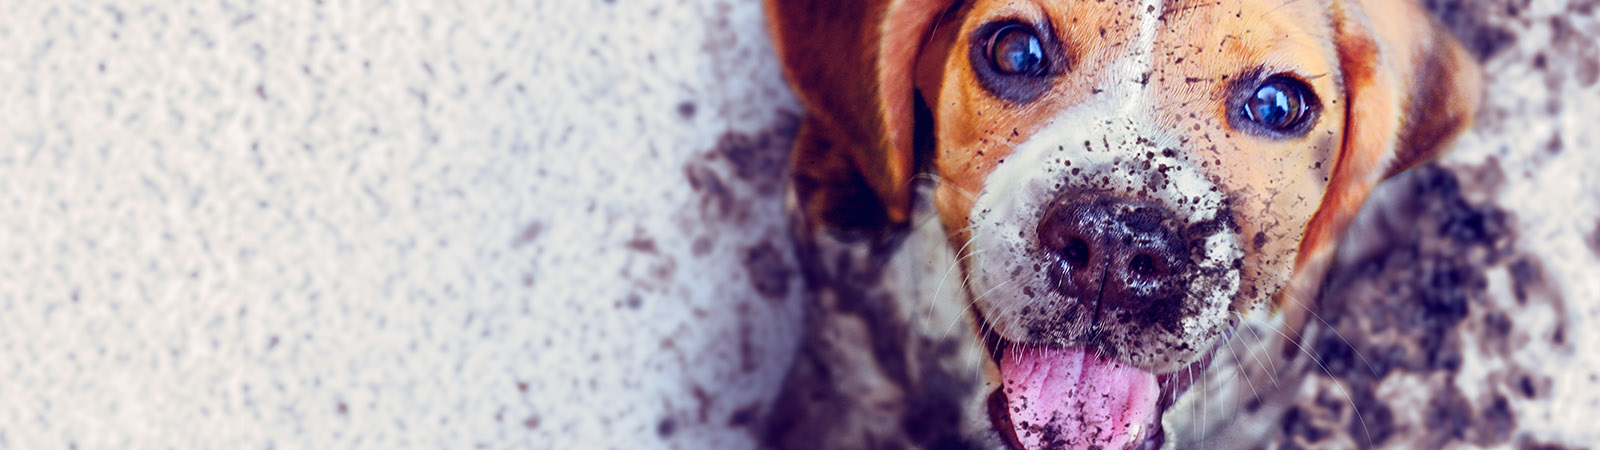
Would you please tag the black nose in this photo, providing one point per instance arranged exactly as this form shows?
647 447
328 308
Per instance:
1125 254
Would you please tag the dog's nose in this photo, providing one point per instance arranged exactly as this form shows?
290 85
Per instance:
1124 254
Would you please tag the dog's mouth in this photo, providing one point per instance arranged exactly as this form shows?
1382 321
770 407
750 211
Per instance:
1076 398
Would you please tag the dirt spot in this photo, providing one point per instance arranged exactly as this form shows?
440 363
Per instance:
664 270
1588 71
768 271
1496 422
1448 415
531 422
529 233
632 301
760 158
666 427
1298 424
1583 7
701 246
703 402
642 244
752 155
739 179
1594 239
1495 335
716 198
744 416
1526 275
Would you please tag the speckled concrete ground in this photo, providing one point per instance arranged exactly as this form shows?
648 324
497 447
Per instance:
339 224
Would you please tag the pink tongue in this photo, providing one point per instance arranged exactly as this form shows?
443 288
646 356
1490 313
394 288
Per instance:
1065 398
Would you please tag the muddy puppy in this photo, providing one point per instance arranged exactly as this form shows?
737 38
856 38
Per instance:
1085 224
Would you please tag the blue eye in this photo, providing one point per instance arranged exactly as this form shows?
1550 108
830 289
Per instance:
1280 104
1015 50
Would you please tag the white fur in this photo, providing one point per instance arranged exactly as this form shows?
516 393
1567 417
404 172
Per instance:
1007 211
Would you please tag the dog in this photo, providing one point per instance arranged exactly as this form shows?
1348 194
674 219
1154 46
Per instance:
1031 224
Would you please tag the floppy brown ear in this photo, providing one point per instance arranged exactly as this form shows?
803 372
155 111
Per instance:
851 64
1410 90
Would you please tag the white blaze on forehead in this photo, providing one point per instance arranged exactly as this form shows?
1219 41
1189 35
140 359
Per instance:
1143 58
1128 75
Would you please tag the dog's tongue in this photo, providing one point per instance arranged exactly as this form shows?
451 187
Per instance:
1066 398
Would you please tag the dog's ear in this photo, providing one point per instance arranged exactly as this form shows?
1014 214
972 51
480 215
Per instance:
851 63
1410 90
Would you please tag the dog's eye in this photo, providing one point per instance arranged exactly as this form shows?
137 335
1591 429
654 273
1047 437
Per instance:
1281 104
1015 50
1016 60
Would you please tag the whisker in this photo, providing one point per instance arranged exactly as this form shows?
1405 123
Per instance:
1193 382
1205 407
942 278
1273 372
936 179
972 303
1007 309
1373 370
1239 369
1348 397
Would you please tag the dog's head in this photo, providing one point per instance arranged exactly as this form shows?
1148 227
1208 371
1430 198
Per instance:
1124 180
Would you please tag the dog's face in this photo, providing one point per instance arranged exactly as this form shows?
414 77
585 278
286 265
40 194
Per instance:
1123 182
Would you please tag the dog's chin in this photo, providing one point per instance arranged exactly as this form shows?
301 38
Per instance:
1073 397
